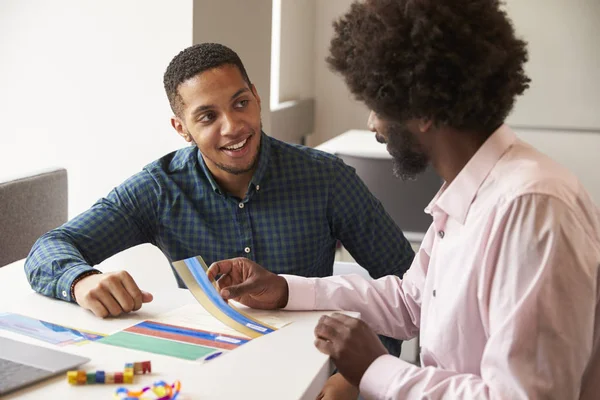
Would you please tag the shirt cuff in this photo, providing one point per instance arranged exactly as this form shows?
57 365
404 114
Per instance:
377 379
301 293
63 286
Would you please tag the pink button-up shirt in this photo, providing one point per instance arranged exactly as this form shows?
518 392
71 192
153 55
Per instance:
503 291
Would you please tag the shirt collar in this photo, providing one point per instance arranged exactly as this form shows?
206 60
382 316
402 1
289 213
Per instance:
263 162
456 198
263 159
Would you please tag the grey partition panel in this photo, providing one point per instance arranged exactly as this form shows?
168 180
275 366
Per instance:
403 200
293 120
30 207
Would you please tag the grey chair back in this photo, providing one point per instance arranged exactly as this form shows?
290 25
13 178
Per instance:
403 200
29 207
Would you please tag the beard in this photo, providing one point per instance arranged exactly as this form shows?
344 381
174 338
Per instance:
243 170
408 157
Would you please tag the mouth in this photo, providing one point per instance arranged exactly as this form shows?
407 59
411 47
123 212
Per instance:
380 138
239 146
239 149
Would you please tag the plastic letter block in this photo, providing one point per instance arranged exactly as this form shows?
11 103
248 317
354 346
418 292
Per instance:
137 368
81 377
72 377
146 367
118 377
91 377
128 376
99 376
109 377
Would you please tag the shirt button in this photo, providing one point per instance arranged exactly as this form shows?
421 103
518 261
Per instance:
64 293
247 249
441 234
241 205
257 188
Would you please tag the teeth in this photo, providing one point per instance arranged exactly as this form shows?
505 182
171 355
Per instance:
237 146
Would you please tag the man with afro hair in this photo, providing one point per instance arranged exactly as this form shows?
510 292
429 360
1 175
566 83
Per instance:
504 291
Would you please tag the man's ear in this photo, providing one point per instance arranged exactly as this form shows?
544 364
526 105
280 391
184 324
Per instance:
425 124
255 93
177 124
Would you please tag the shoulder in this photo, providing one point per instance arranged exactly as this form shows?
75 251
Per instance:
307 158
160 173
174 162
523 171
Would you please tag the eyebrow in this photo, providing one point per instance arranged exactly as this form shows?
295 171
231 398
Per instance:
200 109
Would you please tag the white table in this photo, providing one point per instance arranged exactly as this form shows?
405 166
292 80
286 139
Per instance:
282 365
356 143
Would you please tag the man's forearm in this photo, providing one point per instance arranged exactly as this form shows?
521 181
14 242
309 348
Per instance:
53 264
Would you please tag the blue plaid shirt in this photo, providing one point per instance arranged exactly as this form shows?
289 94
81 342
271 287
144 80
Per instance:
300 202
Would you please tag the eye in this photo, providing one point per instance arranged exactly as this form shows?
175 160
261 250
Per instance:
242 103
208 117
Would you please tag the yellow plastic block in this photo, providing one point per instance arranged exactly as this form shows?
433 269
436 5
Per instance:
129 370
128 376
72 377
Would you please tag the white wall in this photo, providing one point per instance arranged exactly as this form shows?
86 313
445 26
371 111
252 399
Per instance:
564 63
297 50
336 109
245 27
560 114
82 88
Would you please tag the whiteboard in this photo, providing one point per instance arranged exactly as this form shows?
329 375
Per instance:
564 63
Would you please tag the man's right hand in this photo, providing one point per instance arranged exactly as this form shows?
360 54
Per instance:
111 293
245 281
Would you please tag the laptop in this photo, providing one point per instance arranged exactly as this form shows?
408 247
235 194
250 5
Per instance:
22 364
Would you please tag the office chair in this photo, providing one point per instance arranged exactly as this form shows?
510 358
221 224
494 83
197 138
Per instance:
403 200
29 207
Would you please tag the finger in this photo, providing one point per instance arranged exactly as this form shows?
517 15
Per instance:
335 323
326 331
219 268
109 302
97 308
134 291
224 281
147 297
120 294
249 287
324 346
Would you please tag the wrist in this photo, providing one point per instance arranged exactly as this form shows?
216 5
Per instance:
285 292
79 278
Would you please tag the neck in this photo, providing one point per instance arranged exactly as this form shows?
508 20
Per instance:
235 185
452 151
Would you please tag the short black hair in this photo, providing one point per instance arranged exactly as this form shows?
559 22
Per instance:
193 61
456 62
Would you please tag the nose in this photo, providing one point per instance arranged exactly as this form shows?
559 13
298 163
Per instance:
230 125
371 121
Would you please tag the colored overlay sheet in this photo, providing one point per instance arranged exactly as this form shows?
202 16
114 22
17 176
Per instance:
197 331
172 340
193 273
48 332
189 332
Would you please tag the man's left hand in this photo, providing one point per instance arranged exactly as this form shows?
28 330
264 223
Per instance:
350 343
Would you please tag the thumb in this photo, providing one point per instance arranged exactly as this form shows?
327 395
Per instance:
146 297
245 288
